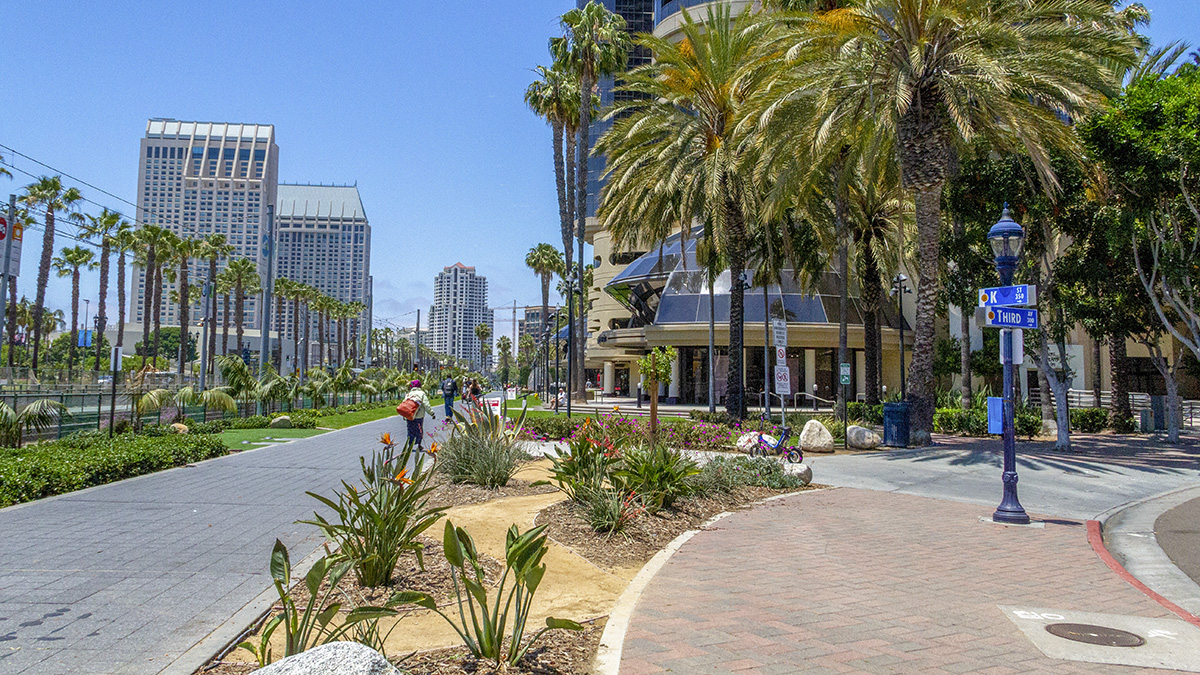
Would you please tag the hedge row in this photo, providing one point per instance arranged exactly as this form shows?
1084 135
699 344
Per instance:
84 460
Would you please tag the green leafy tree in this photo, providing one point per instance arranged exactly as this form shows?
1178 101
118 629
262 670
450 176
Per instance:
168 343
483 332
504 347
67 264
243 276
106 227
545 262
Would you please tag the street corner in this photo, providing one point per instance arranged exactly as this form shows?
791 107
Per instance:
1109 638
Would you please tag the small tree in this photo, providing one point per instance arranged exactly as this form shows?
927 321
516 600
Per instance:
656 368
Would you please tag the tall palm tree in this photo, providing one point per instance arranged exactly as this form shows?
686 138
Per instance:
939 72
596 44
67 264
214 247
124 241
678 143
223 287
182 252
151 241
483 332
545 262
283 287
243 273
49 194
106 226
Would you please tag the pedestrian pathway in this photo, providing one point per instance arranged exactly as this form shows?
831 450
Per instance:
848 580
126 577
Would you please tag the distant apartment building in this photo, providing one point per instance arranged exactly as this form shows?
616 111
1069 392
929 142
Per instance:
324 241
200 178
460 303
530 321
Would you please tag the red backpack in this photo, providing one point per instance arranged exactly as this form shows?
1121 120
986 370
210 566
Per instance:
407 409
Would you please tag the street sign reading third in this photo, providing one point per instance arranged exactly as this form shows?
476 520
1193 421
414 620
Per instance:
1011 317
1002 296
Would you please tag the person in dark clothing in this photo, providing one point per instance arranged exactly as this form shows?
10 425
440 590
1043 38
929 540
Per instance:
449 391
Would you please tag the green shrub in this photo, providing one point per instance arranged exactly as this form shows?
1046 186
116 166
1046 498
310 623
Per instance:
1027 421
726 474
481 449
301 421
1122 425
380 520
719 417
553 428
252 422
583 469
213 427
658 475
861 412
610 510
73 464
971 422
1089 420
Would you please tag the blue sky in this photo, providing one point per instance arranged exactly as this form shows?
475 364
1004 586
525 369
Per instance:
420 103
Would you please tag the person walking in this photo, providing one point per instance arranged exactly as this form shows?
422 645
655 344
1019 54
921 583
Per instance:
449 391
416 426
476 390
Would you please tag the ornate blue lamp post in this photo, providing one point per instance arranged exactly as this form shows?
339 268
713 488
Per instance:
1007 239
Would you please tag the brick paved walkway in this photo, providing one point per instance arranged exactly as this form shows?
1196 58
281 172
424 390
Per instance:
128 576
849 580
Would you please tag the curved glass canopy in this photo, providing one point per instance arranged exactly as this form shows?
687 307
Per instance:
666 286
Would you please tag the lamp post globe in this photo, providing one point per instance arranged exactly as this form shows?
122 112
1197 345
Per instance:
1007 239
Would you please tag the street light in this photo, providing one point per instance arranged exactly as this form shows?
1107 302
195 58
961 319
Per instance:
898 291
1007 239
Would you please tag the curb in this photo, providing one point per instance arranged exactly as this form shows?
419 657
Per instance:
1096 539
612 640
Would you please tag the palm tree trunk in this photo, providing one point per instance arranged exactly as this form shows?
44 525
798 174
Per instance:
920 373
158 296
295 332
735 400
587 82
147 296
1097 373
74 320
307 323
843 236
121 299
225 328
43 278
1119 407
239 304
321 337
185 314
279 332
102 304
212 318
968 387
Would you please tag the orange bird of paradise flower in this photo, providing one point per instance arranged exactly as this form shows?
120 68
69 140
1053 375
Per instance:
433 449
386 439
402 478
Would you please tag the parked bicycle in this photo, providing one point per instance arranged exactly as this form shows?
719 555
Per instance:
763 444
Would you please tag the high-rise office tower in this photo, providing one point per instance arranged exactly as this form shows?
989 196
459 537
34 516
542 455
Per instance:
199 178
460 303
324 241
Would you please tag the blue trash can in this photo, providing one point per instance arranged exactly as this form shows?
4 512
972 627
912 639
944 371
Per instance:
895 424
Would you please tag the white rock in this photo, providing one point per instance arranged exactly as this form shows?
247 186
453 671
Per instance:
862 438
815 438
281 422
335 658
804 472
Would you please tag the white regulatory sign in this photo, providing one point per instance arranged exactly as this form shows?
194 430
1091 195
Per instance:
783 381
781 356
779 331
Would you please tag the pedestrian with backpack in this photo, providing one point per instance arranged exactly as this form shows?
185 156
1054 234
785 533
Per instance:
449 391
413 408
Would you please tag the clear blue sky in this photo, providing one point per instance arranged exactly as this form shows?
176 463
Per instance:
420 103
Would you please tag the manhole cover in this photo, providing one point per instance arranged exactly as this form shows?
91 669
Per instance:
1095 635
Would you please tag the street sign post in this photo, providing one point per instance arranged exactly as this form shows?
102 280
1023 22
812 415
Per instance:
783 381
1007 296
1010 317
779 332
781 356
1018 341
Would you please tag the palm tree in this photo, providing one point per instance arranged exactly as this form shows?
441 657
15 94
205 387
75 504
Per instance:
243 273
67 264
677 144
940 72
596 44
545 262
182 253
213 248
163 258
223 287
283 287
150 240
483 332
48 193
36 416
124 241
107 226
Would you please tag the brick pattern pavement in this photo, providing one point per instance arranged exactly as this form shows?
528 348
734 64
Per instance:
848 580
128 576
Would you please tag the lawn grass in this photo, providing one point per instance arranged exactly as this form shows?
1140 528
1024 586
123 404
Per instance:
350 419
234 437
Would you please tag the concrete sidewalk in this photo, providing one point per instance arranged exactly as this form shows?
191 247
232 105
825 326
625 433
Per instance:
848 580
126 577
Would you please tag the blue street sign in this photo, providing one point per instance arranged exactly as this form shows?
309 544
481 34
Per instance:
85 339
1004 296
1010 317
995 415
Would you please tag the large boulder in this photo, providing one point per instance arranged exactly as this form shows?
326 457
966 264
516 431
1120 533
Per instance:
179 428
815 438
281 422
335 658
862 438
804 471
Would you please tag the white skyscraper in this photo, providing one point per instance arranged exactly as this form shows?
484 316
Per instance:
325 242
460 303
199 178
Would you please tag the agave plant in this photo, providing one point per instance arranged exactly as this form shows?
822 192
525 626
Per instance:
37 416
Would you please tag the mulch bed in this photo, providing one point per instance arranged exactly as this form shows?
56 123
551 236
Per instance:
461 494
646 535
558 652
